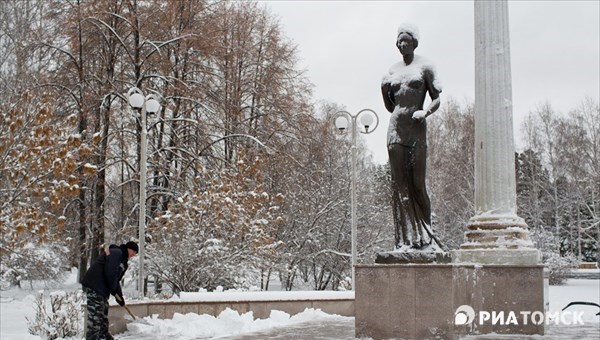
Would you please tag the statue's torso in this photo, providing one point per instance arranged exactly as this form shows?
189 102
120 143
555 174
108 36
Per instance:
407 84
405 130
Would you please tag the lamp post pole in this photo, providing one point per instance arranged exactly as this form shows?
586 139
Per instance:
146 105
142 212
342 122
353 201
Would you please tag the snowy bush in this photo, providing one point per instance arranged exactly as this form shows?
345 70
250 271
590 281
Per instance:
58 315
345 284
559 267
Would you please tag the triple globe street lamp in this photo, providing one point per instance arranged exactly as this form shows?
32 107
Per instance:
343 120
145 105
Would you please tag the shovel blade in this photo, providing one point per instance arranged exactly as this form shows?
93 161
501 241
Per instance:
136 320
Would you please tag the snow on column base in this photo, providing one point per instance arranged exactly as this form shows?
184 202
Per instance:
497 231
498 256
497 239
513 237
496 220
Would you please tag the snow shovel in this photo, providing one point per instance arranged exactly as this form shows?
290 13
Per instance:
133 317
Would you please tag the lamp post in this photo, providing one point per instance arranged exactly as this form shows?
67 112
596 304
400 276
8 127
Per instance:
145 105
342 123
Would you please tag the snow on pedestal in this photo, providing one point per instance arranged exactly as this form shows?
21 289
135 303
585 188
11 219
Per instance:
495 235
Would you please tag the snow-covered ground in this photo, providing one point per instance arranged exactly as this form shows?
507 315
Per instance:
16 304
228 323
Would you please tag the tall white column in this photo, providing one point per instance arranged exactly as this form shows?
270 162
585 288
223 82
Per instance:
495 235
495 187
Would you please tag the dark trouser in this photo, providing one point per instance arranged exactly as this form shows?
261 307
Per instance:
97 316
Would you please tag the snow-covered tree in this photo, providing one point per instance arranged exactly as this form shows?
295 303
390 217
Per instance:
450 170
557 177
220 234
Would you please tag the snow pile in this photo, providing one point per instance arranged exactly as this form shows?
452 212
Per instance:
228 323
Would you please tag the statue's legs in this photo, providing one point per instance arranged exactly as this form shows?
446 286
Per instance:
418 189
400 229
410 201
397 154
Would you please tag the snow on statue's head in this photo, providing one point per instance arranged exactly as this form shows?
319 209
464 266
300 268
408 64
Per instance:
411 30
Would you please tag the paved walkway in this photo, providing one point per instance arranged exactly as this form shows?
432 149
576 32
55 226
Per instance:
343 329
319 330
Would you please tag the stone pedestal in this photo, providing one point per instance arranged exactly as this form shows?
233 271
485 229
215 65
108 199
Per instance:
419 301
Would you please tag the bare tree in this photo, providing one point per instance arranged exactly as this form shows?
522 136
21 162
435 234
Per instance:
450 168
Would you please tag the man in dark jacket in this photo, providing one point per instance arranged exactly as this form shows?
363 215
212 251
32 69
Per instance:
100 281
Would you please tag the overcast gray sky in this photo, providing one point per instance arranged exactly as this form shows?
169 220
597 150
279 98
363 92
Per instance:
347 46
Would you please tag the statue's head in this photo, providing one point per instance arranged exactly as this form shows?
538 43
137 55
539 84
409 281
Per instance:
407 34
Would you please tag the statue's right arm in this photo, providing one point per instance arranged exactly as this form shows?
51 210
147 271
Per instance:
387 99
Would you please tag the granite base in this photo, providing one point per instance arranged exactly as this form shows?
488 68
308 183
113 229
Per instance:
419 301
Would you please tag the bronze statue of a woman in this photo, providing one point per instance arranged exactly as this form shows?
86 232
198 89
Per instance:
404 88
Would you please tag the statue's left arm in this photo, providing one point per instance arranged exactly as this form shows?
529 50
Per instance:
434 92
